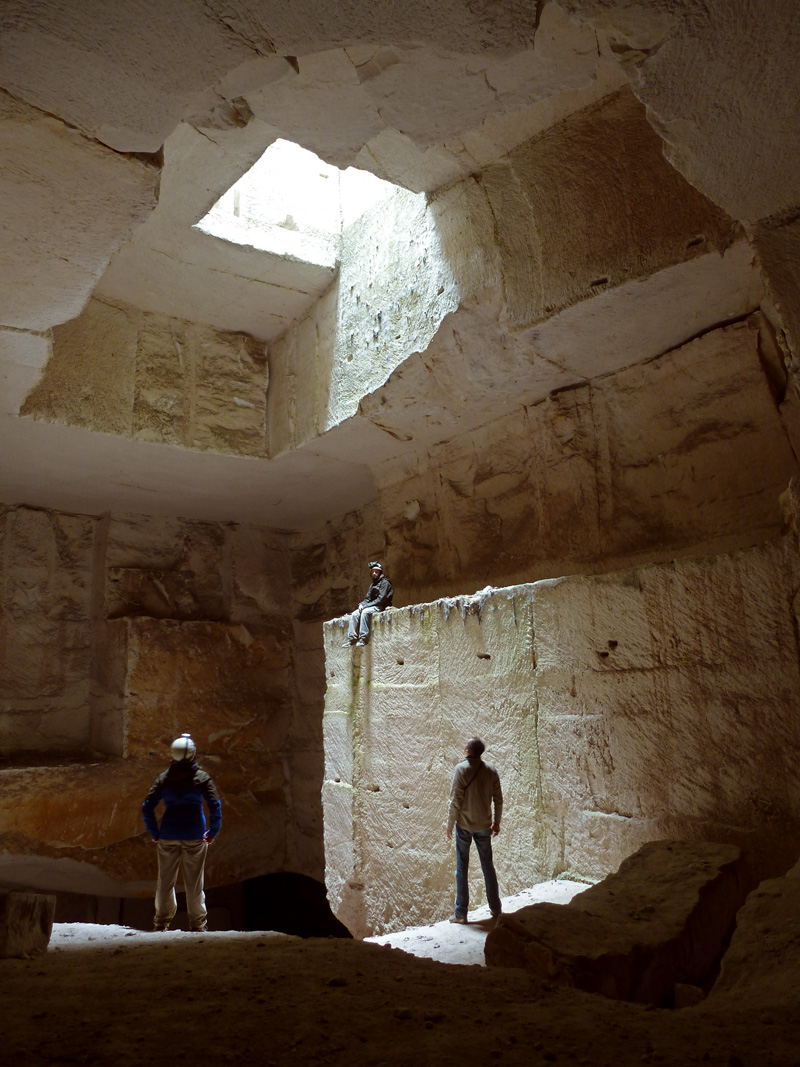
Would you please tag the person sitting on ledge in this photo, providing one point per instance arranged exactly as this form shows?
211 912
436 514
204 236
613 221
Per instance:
379 596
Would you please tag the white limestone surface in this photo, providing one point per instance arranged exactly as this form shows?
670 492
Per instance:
218 268
23 354
395 286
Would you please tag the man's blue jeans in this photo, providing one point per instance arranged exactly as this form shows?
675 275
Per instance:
359 623
483 843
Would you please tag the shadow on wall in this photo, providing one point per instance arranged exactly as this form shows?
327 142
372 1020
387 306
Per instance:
286 903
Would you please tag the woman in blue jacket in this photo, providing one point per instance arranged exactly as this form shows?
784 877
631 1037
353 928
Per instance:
182 837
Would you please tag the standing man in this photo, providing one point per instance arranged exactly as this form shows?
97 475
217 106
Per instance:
379 596
182 837
476 785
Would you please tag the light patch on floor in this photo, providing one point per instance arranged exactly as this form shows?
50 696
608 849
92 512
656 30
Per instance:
453 943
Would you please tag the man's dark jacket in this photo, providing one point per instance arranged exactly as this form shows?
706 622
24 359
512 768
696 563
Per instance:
183 787
379 594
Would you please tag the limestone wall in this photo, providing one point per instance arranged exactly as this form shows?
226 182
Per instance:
395 286
70 202
47 573
117 634
683 454
155 378
425 289
733 138
399 344
656 702
558 200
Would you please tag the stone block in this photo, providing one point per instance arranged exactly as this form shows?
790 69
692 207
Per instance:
486 647
762 963
184 579
653 688
144 541
647 484
26 923
618 709
45 636
555 260
227 686
22 356
663 918
575 479
345 890
305 850
397 715
89 380
260 569
309 665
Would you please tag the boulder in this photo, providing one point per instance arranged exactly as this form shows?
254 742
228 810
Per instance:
26 922
663 918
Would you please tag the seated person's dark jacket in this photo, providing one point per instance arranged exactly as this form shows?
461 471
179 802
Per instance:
379 594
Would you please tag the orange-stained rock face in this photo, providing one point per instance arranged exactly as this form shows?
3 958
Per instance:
90 814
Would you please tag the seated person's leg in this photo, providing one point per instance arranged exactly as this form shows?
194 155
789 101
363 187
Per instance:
366 620
352 630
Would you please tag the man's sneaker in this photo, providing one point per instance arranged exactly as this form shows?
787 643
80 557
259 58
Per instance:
360 644
160 928
497 914
460 919
199 929
348 644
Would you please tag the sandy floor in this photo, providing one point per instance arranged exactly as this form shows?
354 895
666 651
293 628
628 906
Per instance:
109 995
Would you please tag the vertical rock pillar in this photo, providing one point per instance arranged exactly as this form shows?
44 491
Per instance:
397 714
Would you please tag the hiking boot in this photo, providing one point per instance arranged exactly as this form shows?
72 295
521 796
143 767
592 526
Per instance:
160 928
460 919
